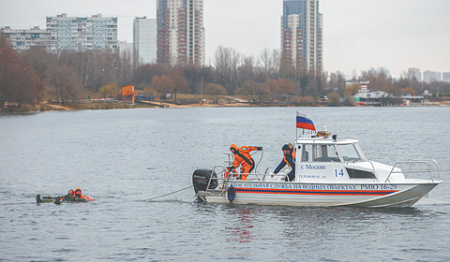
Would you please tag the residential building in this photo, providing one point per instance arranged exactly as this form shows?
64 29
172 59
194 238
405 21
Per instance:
24 39
125 49
144 40
414 73
81 33
181 35
446 76
302 34
430 76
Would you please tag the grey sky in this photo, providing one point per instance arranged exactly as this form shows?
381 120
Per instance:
358 35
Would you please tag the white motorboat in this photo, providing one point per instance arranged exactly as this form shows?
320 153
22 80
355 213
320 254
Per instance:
328 172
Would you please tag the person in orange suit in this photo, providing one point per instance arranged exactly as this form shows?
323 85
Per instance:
79 195
243 158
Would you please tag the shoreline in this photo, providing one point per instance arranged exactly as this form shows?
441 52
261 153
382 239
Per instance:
105 104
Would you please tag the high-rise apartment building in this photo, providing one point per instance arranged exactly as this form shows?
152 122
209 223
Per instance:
430 76
414 73
446 76
81 33
302 34
144 40
181 35
24 39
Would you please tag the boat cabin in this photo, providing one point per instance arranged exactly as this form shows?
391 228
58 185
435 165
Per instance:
322 157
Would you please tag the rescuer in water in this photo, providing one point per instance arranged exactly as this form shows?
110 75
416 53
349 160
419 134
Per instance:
243 158
79 195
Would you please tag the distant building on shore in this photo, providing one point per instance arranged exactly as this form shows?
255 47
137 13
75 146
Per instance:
302 34
81 33
446 77
144 40
181 35
414 73
24 39
430 76
125 49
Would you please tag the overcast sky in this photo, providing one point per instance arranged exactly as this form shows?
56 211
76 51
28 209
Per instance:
358 34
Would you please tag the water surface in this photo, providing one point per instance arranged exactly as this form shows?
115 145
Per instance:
125 159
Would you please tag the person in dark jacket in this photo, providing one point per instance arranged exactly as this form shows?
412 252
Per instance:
288 159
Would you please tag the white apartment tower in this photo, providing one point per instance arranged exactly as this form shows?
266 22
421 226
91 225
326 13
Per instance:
414 73
302 34
431 76
181 35
81 33
144 40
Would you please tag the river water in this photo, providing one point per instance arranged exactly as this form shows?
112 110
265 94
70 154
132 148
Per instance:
129 159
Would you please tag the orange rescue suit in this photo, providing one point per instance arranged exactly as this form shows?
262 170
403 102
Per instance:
87 198
243 158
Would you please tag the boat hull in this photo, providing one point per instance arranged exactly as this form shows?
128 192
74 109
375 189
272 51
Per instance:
310 194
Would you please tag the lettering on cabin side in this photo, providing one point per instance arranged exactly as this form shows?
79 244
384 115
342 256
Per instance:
312 167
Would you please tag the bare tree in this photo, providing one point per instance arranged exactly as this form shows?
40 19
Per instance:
180 84
215 90
226 62
337 82
197 77
124 69
19 82
246 71
281 86
143 75
254 91
65 82
270 62
162 84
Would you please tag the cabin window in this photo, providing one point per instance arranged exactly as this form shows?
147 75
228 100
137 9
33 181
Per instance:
320 153
349 152
306 153
355 173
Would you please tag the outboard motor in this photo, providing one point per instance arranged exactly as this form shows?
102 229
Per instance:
201 178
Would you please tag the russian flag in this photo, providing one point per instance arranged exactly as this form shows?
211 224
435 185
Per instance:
304 122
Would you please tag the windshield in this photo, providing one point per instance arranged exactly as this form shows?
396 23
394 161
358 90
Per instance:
349 152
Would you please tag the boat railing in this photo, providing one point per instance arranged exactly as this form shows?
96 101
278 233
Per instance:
230 159
373 168
220 171
255 176
282 176
223 179
414 167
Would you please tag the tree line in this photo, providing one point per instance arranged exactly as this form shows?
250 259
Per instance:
34 75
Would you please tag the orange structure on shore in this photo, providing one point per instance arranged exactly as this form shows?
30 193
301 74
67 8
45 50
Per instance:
128 93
